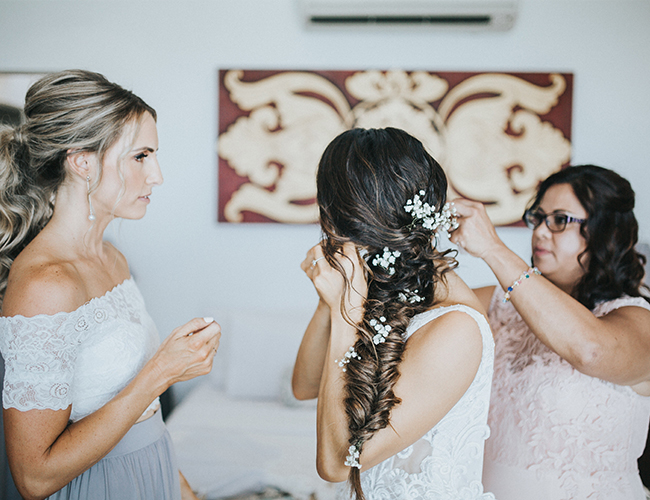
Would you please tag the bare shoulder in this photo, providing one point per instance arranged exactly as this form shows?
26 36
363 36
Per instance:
629 318
452 341
484 295
452 326
440 362
457 292
42 288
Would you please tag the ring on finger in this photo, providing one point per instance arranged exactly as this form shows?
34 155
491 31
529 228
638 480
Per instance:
315 261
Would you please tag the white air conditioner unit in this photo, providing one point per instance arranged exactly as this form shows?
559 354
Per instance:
474 14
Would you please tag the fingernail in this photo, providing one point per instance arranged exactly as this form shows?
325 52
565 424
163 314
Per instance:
209 319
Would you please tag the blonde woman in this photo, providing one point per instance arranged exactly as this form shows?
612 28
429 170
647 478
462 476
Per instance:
83 370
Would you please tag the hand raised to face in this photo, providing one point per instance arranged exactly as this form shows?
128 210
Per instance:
330 283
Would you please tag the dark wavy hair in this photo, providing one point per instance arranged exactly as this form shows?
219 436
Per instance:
614 266
365 178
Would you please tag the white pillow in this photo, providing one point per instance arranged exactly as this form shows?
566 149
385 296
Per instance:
261 345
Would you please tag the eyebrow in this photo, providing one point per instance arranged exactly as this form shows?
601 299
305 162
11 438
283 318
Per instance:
145 148
559 211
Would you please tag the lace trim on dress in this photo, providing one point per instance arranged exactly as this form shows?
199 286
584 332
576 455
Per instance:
604 308
40 352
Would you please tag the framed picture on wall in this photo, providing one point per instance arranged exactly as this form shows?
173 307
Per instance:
497 135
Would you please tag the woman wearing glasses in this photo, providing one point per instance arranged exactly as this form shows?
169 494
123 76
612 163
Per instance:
569 408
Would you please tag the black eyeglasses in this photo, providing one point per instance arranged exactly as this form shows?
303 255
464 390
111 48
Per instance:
556 222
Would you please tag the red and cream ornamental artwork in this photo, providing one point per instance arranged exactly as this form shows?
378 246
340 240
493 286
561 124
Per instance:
496 135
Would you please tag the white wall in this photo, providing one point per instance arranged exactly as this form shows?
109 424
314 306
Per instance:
169 53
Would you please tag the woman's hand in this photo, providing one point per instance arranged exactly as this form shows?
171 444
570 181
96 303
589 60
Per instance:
475 233
188 351
330 284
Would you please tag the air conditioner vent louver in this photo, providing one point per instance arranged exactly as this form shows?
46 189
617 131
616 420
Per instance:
460 20
476 14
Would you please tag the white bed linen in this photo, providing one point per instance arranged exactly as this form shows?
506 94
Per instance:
227 446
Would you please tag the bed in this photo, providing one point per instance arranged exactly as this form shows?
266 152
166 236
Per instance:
239 433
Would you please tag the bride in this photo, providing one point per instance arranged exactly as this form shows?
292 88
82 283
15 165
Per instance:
398 351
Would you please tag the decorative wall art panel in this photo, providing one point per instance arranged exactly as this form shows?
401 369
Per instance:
497 135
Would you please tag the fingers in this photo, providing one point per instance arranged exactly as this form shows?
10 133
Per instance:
189 351
316 261
208 335
476 233
464 210
350 251
205 344
203 337
348 258
314 256
214 340
458 236
192 327
467 208
352 262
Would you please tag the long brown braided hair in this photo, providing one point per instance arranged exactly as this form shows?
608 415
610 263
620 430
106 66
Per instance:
365 178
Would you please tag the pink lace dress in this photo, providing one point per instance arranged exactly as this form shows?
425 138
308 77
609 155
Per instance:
558 434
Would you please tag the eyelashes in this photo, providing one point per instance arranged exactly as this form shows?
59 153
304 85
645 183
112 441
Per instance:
141 156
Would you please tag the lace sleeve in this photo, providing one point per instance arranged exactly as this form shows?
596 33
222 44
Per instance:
40 354
606 307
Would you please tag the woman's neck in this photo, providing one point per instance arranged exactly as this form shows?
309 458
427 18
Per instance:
453 290
71 226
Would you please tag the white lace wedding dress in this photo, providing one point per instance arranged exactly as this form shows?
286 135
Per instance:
447 462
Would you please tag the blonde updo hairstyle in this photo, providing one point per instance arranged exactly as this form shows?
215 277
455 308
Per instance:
73 110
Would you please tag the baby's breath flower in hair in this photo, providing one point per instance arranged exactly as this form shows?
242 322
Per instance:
347 357
352 460
409 296
386 259
443 221
381 328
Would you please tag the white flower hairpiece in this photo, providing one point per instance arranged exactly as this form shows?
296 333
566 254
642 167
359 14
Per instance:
409 296
443 221
382 330
347 357
352 460
386 259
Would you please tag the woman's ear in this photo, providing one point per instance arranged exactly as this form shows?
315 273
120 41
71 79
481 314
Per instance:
81 163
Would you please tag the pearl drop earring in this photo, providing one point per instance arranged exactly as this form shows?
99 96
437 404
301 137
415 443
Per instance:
91 215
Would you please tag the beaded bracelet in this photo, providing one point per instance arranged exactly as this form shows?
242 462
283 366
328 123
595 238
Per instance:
525 275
